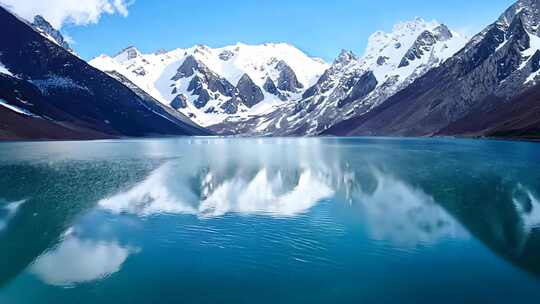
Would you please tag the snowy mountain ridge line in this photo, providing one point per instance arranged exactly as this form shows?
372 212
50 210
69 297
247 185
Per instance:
230 62
385 52
261 66
256 69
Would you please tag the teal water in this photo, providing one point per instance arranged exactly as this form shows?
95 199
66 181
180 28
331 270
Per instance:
270 221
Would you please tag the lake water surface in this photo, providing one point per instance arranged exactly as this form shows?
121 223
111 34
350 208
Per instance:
330 220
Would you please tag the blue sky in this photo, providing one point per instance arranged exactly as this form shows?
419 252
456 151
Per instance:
321 28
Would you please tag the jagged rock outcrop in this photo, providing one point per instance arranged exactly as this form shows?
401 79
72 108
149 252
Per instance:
179 102
226 55
287 80
331 76
249 92
188 68
231 106
205 83
129 53
360 88
45 28
270 87
382 60
424 44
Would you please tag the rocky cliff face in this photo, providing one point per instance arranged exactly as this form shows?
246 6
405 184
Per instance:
518 117
204 84
287 80
424 44
250 93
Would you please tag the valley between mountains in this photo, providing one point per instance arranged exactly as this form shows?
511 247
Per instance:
421 79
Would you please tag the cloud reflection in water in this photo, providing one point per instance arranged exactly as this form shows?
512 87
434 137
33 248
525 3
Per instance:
77 261
8 211
244 178
528 208
404 215
265 193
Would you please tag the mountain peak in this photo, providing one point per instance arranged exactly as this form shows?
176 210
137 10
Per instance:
528 11
160 52
345 56
402 33
418 24
201 48
527 4
128 53
40 21
442 32
45 28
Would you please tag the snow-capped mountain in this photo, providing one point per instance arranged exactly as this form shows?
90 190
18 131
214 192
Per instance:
474 91
213 84
353 86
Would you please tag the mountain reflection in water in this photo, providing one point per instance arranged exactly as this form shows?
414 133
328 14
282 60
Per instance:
65 220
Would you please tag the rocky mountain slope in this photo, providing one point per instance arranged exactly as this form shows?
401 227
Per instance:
46 92
477 91
517 118
353 86
213 84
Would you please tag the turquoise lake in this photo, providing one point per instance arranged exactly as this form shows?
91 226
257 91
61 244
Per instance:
315 220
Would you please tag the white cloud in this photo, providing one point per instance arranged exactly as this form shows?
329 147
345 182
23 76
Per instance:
60 12
69 39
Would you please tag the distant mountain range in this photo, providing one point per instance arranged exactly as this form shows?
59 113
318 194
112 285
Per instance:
210 85
421 79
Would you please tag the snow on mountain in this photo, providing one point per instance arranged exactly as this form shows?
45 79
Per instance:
355 85
212 84
4 70
259 62
17 109
409 46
